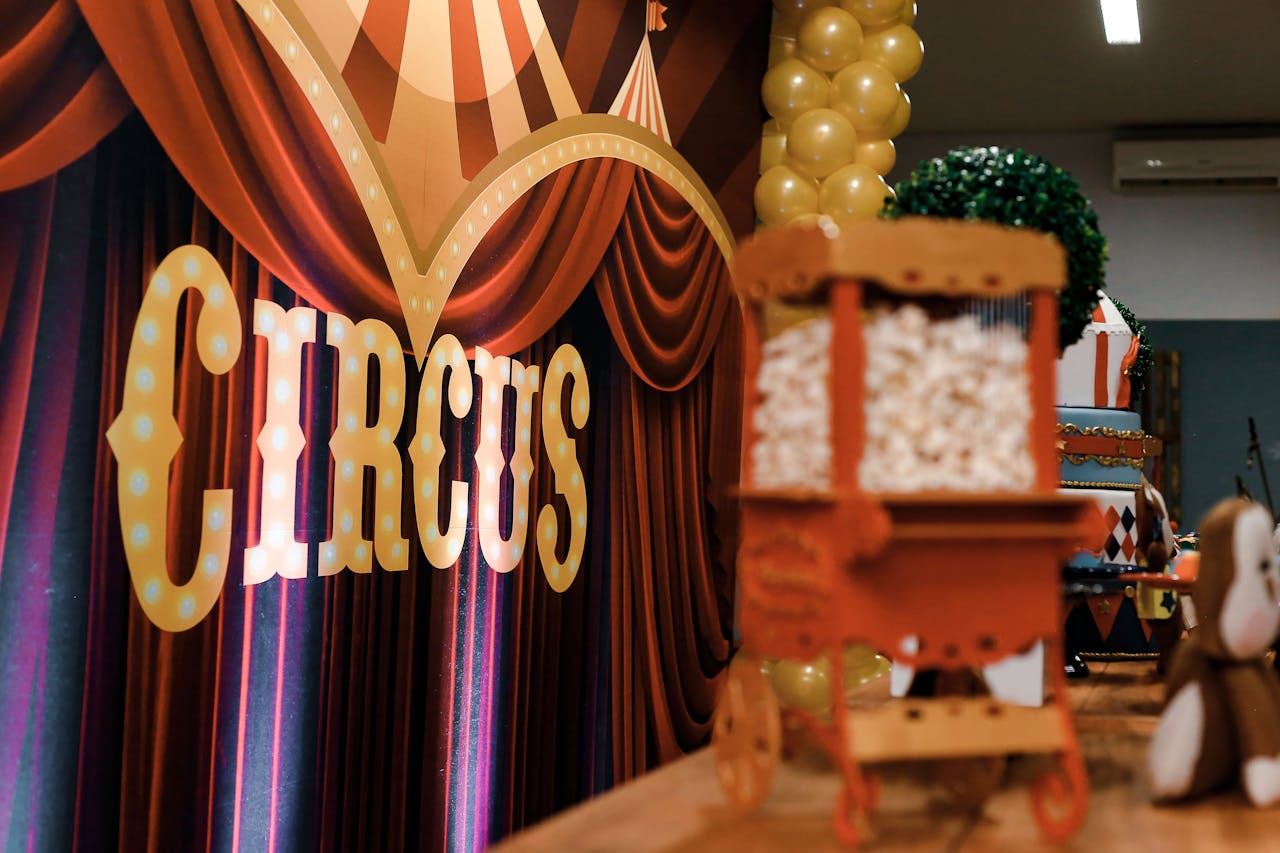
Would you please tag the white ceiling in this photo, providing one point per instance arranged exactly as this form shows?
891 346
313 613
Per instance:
1025 65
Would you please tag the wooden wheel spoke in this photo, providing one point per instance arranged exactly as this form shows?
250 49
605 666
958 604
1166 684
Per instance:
747 737
1060 797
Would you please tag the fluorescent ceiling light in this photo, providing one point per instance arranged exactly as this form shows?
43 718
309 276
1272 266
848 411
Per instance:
1120 20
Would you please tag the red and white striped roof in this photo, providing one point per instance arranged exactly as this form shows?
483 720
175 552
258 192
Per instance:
1106 319
639 99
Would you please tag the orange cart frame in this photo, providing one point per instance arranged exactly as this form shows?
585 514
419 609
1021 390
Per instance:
936 580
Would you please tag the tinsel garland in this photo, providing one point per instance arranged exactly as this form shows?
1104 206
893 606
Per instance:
1141 366
1015 188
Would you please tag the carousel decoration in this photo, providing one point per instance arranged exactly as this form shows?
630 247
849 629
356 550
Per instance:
869 505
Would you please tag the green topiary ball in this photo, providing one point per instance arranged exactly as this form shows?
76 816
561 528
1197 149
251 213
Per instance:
1145 358
1015 188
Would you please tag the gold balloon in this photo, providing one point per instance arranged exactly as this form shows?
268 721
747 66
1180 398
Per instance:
773 146
799 8
780 49
896 123
782 193
855 191
862 664
785 28
792 87
866 94
821 141
879 154
803 685
810 220
897 48
908 15
829 39
873 13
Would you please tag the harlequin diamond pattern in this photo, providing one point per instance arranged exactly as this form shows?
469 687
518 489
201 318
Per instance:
1121 545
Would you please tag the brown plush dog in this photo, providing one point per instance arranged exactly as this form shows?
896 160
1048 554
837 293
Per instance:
1156 547
1155 543
1221 719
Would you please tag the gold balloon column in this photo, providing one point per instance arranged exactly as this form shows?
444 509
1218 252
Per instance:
833 92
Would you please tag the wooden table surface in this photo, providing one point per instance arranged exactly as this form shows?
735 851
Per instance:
680 807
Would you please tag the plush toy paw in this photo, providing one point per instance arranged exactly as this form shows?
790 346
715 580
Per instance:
1262 780
1175 747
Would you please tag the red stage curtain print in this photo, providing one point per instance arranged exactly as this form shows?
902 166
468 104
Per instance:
25 220
672 633
664 286
58 97
537 258
335 713
242 134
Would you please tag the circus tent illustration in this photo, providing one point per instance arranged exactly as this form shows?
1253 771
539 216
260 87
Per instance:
438 115
639 99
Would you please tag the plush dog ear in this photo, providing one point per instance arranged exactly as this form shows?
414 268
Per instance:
1156 542
1144 523
1162 525
1216 571
1250 614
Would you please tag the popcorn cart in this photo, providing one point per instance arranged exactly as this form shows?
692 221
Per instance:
900 490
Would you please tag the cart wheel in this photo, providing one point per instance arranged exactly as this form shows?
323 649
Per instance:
874 787
969 781
747 736
852 819
1060 798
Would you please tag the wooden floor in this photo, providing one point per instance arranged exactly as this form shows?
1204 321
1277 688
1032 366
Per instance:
679 807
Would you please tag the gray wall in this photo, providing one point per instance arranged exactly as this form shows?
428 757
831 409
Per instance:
1230 370
1202 269
1175 255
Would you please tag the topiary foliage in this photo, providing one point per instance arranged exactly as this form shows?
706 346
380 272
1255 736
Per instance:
1015 188
1142 363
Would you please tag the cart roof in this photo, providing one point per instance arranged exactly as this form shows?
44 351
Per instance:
913 255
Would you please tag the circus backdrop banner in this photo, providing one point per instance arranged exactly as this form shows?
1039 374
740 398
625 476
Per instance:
371 397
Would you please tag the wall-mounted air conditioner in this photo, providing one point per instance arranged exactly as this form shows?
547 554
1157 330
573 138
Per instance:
1191 163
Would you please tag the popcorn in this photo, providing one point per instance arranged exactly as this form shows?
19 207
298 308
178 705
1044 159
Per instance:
947 405
793 418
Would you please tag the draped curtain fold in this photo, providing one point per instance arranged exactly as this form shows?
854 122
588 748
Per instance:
25 223
665 295
243 136
58 96
537 258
